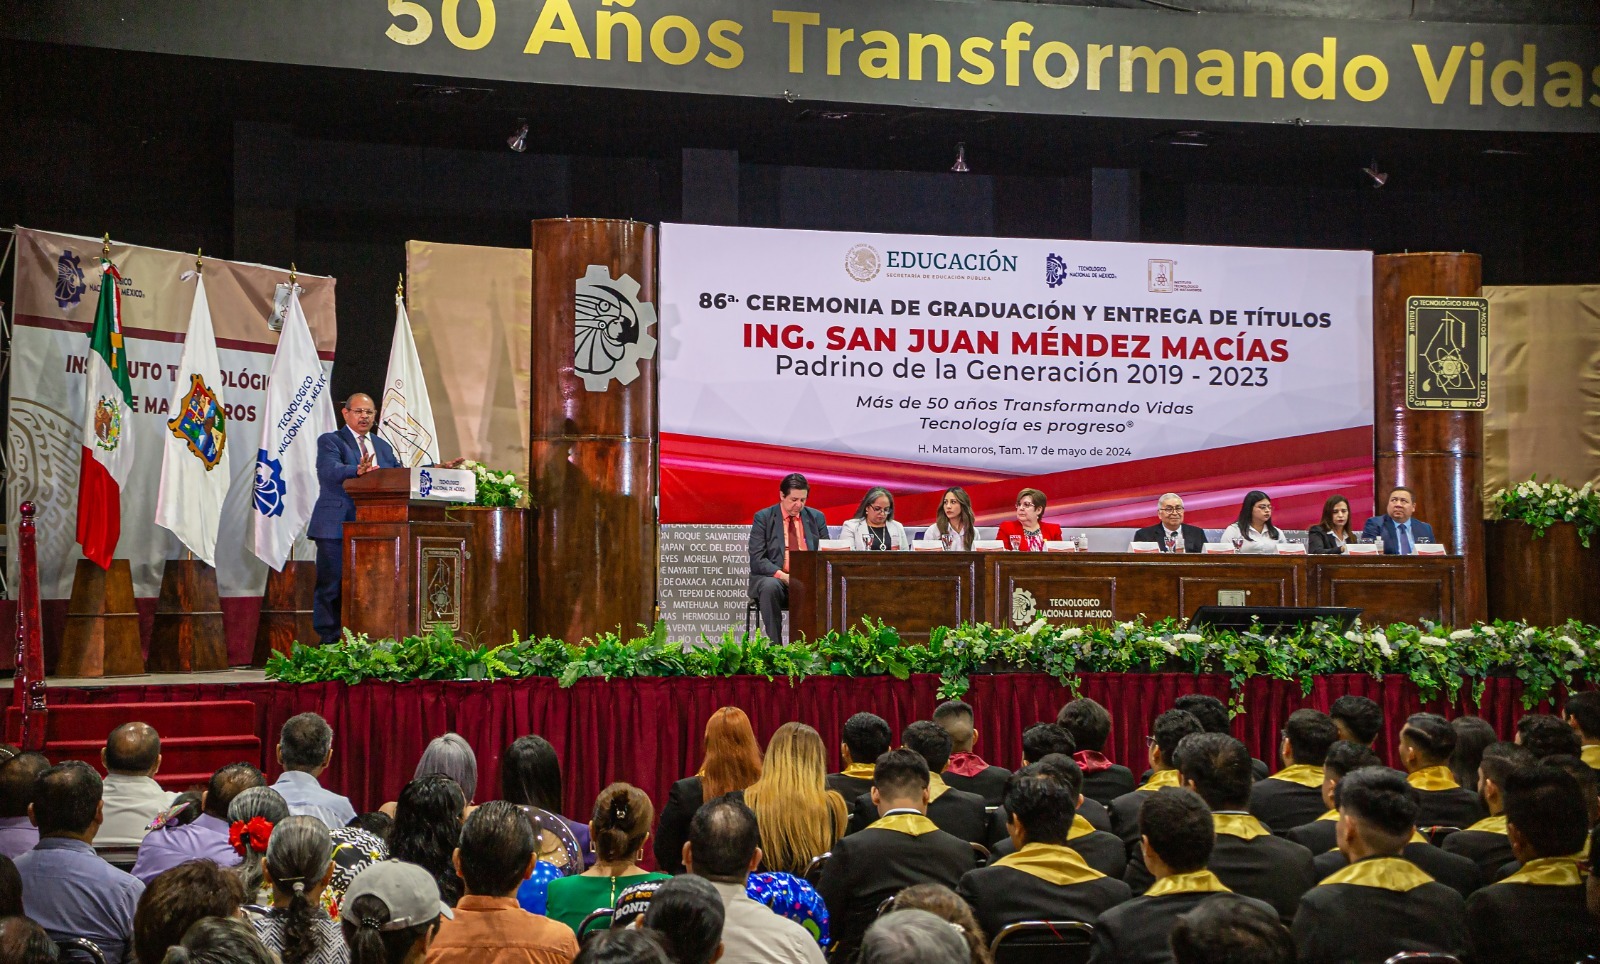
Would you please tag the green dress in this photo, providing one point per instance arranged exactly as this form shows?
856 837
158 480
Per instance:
571 899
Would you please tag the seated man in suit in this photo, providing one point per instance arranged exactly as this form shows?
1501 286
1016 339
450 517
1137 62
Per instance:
1213 716
1176 838
1103 851
901 848
1045 879
1486 843
1039 741
1293 795
1399 530
1167 732
1320 835
1171 534
967 770
1381 904
1426 742
778 530
342 455
1090 726
1583 715
1357 718
866 737
954 811
1246 856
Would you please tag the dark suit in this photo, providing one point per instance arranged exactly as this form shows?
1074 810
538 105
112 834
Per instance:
990 784
1267 868
1089 810
1382 525
1321 542
869 866
1194 537
1490 851
338 460
672 831
1137 932
848 787
956 812
1005 895
1283 805
1125 816
1353 924
1318 836
1453 870
1458 807
767 544
1100 850
1531 924
1105 786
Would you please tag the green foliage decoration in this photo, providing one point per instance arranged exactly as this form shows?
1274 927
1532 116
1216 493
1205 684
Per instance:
1543 504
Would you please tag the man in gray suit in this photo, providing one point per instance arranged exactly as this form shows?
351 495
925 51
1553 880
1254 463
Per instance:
777 529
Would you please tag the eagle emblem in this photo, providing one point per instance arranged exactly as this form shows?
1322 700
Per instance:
107 424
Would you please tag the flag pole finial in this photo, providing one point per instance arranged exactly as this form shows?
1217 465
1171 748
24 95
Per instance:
197 259
293 274
400 288
105 247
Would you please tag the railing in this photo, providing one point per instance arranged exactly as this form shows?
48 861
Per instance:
27 692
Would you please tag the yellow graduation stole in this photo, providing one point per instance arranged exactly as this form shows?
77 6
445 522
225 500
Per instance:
1491 825
1548 872
1304 774
1384 873
1159 779
1081 827
913 824
860 771
1056 864
1591 755
1416 835
936 787
1199 882
1241 825
1330 815
1433 778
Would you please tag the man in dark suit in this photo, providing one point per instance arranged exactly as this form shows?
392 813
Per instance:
967 770
1090 726
1486 842
955 812
1213 715
1045 879
776 531
1381 904
866 737
1099 849
1583 715
342 455
901 848
1398 529
1168 731
1319 836
1426 742
1039 742
1293 795
1171 533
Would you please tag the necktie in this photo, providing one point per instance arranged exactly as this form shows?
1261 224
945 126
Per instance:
793 540
1172 542
1405 540
361 440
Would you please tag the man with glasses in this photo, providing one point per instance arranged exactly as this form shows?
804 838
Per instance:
1171 534
342 455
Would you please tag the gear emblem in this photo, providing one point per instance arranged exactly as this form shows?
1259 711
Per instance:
611 329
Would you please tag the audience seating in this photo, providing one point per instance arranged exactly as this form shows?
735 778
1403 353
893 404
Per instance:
122 858
1043 942
814 869
1422 957
78 732
598 920
1437 835
80 949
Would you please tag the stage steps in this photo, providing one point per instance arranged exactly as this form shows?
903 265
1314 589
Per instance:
197 738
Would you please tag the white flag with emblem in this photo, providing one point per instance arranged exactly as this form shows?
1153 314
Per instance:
298 412
406 418
194 462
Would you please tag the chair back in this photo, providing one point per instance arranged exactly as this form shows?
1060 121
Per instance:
597 921
80 949
1436 836
1043 942
981 852
122 858
1423 957
814 869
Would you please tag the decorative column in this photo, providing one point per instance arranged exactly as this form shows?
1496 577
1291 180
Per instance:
592 429
1438 454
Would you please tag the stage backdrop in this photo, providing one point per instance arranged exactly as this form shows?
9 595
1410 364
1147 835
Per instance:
57 284
1101 373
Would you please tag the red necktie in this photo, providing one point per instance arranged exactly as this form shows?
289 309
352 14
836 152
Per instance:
361 440
793 540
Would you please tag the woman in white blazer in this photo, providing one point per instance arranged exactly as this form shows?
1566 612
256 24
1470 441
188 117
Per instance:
1254 530
956 526
873 527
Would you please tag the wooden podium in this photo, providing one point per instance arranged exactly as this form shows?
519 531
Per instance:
406 565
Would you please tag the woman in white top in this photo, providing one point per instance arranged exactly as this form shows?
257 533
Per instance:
1254 532
956 526
873 527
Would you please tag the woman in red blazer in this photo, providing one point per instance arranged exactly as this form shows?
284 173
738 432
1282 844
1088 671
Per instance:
1027 533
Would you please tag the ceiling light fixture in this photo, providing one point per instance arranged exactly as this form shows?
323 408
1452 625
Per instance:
519 141
1378 178
960 166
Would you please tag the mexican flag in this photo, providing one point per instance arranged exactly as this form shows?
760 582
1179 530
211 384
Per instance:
107 427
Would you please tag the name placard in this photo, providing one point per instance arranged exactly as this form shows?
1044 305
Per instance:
443 485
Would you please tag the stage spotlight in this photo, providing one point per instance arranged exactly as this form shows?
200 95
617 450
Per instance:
1379 178
519 141
960 166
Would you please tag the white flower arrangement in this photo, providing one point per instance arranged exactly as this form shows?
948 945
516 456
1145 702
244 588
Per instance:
1543 504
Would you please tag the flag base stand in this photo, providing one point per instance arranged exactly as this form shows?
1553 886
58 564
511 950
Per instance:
102 631
286 610
188 635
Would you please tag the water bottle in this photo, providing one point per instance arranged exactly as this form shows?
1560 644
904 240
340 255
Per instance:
1083 542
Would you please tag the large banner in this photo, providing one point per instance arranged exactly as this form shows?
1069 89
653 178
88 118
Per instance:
1103 374
57 283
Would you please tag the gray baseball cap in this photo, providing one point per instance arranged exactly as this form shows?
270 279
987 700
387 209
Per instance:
410 893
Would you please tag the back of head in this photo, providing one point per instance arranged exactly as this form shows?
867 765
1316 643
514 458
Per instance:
1588 782
10 889
174 900
133 748
24 942
956 718
1360 716
1169 730
622 817
1473 733
427 826
375 822
452 756
930 741
1547 809
1381 803
305 742
530 774
18 777
388 908
1584 710
913 937
497 848
1042 739
1067 768
1226 929
1210 711
732 755
66 798
1431 736
1088 722
1347 755
688 914
1177 825
220 940
246 814
1546 736
866 736
1310 733
723 840
299 857
263 802
1499 759
1039 797
1219 767
622 946
226 784
900 775
799 819
947 905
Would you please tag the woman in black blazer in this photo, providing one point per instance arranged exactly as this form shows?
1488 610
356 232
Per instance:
732 762
1333 533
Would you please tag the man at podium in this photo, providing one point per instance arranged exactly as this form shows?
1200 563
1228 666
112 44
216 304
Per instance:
351 451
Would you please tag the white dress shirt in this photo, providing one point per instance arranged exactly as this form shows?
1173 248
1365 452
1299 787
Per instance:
130 804
1256 542
306 797
753 934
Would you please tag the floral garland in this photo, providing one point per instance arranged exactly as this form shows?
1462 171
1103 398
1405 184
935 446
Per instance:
1543 504
496 489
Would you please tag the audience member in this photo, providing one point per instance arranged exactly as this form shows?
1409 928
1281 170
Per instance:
796 898
131 756
207 836
967 770
1453 870
374 822
943 903
619 827
1583 715
1293 796
1176 839
799 817
732 762
24 942
724 847
251 817
688 917
912 937
1587 782
305 747
1485 843
18 776
866 737
1214 718
219 940
496 855
298 866
427 826
1225 929
1039 741
956 812
354 850
530 776
1473 733
901 848
452 756
1321 835
1044 879
1090 726
1100 849
1166 733
1426 743
1545 735
10 889
1357 718
66 887
621 947
391 914
176 899
1381 904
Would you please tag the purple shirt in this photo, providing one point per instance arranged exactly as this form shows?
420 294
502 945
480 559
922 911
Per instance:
17 836
204 839
70 892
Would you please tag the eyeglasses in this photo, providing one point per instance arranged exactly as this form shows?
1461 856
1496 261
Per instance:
1171 508
1150 741
877 508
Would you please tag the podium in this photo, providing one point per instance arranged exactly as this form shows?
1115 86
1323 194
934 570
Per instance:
405 563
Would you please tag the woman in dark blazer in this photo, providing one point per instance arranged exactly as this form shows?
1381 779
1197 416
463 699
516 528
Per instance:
1333 533
732 763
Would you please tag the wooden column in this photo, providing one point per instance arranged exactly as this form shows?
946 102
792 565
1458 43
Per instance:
188 635
286 610
592 454
102 635
1438 454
